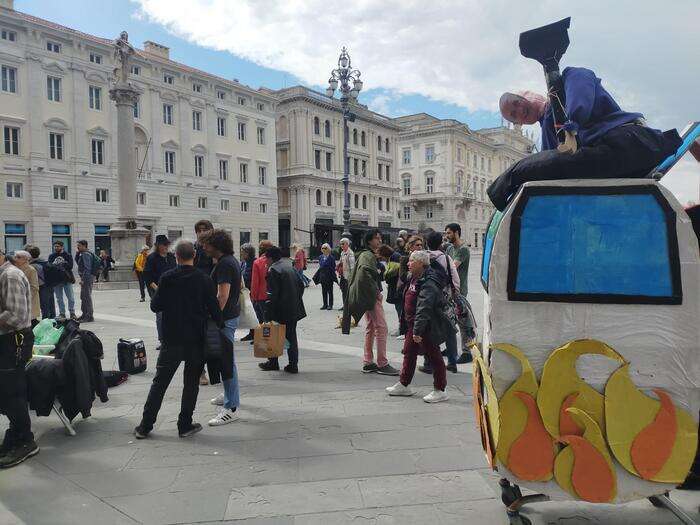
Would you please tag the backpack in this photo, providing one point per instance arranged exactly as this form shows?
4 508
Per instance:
96 265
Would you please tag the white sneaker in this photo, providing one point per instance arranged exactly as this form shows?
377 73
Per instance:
399 390
436 396
218 400
401 337
224 417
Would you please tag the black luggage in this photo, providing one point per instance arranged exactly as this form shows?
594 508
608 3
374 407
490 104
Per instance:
131 354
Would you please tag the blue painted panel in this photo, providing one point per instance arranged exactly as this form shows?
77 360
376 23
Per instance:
594 244
488 246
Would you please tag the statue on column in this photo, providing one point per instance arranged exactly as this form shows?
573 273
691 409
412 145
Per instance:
123 50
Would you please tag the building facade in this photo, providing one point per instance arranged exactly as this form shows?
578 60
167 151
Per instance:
310 169
444 169
205 146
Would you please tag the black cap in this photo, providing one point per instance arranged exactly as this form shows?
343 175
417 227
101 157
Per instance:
162 239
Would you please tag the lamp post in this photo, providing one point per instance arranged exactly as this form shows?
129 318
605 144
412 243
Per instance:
341 78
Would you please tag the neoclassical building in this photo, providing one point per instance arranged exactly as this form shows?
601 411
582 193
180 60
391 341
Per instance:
444 168
310 169
205 146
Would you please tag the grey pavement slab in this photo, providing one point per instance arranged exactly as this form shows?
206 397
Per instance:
327 446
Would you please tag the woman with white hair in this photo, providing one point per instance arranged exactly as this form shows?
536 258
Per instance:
346 266
21 260
425 325
326 275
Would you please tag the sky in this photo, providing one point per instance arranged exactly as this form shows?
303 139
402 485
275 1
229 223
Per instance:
449 58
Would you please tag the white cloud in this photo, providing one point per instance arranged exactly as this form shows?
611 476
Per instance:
684 180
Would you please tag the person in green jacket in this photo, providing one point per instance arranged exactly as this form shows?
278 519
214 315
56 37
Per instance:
365 299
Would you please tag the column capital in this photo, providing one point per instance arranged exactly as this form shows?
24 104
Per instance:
124 94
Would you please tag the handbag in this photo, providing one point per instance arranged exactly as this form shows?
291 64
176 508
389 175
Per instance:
269 340
248 318
213 342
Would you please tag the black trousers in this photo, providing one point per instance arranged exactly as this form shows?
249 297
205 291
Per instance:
142 284
293 350
169 361
327 291
344 289
47 301
13 395
626 152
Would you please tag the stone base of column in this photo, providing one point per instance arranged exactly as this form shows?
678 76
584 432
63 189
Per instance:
126 244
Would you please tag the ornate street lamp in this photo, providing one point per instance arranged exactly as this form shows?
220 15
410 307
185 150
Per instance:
345 75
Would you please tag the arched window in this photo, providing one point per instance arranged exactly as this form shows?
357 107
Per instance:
380 203
327 128
357 201
317 126
386 145
354 137
318 197
459 182
364 202
388 207
363 139
379 142
329 199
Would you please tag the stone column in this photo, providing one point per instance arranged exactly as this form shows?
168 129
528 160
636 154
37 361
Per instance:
125 98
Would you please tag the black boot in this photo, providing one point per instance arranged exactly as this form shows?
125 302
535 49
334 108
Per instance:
270 364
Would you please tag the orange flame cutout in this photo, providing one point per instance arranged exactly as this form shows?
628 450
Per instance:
567 425
652 447
591 476
531 456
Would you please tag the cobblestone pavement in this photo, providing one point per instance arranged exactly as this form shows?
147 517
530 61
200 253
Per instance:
324 447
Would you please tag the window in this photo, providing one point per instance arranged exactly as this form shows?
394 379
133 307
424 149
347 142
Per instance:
60 193
56 146
354 137
459 183
53 89
224 204
168 114
198 166
95 97
489 164
474 161
379 143
16 237
482 163
357 201
318 197
221 126
13 190
53 47
101 195
429 154
11 136
406 213
141 198
241 131
380 203
196 87
329 198
317 158
197 120
387 204
223 169
364 168
244 207
135 70
174 201
241 101
137 110
95 58
327 128
379 170
168 78
243 169
429 212
386 145
387 169
261 106
263 207
355 166
11 36
364 202
170 162
202 203
317 126
244 238
586 259
262 175
98 151
263 236
221 95
9 79
328 161
459 154
61 232
406 185
363 139
406 156
261 135
429 184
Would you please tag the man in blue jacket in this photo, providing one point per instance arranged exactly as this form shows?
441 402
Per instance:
604 141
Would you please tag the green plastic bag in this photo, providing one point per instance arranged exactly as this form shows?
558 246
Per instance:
46 332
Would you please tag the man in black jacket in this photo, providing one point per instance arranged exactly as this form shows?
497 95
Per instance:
157 263
202 260
62 264
284 305
186 299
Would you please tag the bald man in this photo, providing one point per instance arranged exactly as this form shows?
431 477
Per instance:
603 141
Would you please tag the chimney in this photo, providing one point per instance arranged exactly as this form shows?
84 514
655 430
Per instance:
153 48
7 4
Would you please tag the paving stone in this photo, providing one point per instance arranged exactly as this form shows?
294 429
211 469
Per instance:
403 515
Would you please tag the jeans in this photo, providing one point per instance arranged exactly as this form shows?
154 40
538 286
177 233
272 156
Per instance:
165 370
303 277
86 296
13 395
159 317
376 328
48 305
327 292
293 350
232 394
59 290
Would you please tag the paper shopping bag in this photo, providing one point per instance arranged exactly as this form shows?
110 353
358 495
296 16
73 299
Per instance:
268 340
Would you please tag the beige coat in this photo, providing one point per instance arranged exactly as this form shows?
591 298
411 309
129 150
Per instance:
31 275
